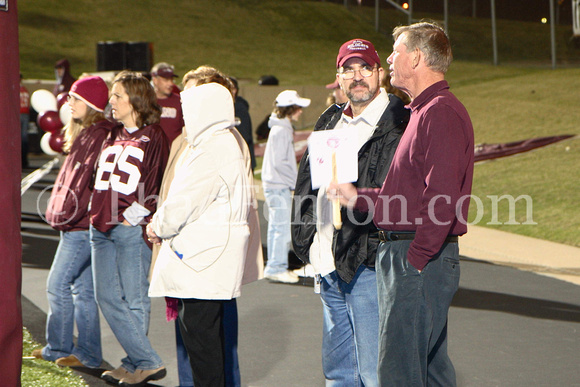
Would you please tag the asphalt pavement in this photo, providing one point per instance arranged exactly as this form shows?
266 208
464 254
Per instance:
515 320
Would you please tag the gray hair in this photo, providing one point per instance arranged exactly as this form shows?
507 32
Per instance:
431 40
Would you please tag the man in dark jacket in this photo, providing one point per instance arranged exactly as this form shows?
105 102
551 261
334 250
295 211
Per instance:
344 260
242 112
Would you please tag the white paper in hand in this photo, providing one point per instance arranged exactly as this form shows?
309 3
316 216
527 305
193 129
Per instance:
321 144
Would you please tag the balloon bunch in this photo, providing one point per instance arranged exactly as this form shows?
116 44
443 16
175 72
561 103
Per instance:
53 114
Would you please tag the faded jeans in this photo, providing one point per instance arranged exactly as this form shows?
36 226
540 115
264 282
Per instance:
71 298
121 261
350 329
279 209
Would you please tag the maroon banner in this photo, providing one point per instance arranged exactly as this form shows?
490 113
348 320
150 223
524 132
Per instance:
10 239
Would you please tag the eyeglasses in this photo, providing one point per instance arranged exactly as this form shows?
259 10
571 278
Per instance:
365 72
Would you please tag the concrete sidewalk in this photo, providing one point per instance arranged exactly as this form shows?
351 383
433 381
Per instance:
522 252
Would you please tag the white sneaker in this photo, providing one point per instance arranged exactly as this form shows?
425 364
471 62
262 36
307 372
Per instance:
286 277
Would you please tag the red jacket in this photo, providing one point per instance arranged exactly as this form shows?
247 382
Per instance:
24 100
68 208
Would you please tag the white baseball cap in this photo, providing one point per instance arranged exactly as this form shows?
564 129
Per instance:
291 97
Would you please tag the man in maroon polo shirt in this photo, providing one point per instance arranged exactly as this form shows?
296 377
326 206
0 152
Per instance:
420 210
162 75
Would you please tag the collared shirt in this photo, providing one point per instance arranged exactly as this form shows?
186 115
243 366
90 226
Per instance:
321 256
428 185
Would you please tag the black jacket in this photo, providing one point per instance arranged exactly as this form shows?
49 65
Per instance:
351 245
242 112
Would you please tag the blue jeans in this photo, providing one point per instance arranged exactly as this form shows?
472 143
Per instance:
121 261
279 210
231 364
183 367
413 309
350 329
71 298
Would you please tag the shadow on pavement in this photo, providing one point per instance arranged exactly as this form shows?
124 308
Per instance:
524 306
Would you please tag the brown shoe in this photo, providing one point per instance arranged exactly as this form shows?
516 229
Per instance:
115 375
141 377
37 353
69 361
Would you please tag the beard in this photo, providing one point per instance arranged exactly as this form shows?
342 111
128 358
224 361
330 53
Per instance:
361 97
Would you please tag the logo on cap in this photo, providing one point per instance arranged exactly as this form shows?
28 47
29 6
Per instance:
358 48
358 45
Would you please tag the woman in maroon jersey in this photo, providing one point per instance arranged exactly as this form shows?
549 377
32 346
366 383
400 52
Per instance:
127 183
70 291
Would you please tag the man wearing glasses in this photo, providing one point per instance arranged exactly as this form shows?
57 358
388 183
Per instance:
344 260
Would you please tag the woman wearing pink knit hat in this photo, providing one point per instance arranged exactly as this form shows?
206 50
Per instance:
70 287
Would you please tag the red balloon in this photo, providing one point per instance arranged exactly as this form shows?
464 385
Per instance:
61 99
56 142
49 121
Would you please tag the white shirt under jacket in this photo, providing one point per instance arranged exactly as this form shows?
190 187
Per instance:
204 218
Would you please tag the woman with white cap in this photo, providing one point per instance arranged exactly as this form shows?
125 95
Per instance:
279 173
70 289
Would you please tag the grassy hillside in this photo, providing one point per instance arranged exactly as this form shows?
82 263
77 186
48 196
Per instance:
518 106
298 40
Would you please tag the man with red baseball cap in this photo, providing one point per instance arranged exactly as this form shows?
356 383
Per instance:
418 266
344 260
162 75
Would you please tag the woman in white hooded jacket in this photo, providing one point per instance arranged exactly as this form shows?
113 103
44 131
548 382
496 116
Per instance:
203 224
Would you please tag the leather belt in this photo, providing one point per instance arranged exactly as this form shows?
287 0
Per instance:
391 236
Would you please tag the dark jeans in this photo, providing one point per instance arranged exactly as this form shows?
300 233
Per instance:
200 323
413 308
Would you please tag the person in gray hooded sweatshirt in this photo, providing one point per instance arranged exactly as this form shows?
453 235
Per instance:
279 174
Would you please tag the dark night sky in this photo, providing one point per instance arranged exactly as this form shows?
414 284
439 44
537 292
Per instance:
526 10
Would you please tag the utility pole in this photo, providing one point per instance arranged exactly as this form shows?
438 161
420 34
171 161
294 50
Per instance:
493 32
553 33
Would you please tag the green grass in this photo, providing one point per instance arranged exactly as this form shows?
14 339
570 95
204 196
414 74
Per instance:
294 40
526 104
549 177
297 40
43 373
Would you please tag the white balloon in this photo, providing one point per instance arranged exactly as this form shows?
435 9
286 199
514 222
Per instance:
45 146
43 100
65 114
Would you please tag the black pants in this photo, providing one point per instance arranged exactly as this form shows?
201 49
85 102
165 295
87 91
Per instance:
200 323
